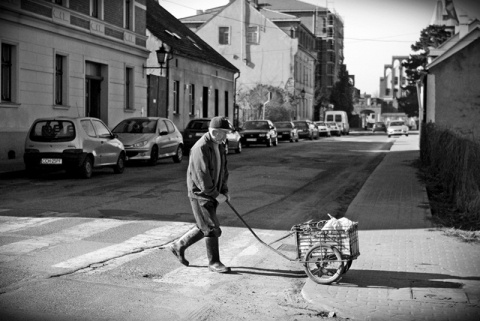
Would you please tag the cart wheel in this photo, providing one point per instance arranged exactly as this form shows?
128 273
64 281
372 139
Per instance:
347 266
321 266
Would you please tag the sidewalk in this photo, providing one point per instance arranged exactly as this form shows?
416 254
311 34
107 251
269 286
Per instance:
408 269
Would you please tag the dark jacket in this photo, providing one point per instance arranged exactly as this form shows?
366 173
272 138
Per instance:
202 170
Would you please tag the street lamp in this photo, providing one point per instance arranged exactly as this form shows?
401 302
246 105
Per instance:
164 55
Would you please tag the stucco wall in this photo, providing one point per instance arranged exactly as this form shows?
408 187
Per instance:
457 91
36 44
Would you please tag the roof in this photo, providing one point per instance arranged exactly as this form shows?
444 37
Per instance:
460 44
288 5
182 40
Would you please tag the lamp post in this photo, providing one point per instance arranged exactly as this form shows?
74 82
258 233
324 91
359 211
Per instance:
164 55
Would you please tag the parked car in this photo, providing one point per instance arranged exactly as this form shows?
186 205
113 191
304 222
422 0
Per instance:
196 128
259 132
397 127
75 144
150 138
379 127
323 129
306 129
286 130
334 129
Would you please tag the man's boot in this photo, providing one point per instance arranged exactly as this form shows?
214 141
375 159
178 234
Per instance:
213 255
179 246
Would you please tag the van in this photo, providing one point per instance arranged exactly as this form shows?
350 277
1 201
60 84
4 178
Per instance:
339 117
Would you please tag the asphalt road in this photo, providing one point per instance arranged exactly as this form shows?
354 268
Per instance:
93 249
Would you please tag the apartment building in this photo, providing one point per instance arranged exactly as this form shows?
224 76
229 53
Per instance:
268 48
70 58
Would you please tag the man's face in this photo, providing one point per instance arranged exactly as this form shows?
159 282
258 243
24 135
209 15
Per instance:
218 135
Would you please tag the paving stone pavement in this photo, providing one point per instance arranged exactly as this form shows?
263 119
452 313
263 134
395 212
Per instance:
408 269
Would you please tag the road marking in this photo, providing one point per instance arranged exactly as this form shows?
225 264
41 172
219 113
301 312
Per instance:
150 239
236 252
68 235
14 223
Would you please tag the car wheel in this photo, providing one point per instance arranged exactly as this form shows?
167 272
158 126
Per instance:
178 155
389 136
269 143
239 148
120 166
153 156
275 142
311 137
406 135
86 169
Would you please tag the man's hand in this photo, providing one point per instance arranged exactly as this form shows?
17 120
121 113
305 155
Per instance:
221 198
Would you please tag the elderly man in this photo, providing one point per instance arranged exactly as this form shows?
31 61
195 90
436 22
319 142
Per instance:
207 177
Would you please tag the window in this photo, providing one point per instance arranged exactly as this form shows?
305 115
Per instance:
60 80
128 14
7 72
226 103
129 88
252 34
101 129
176 96
96 8
191 98
224 35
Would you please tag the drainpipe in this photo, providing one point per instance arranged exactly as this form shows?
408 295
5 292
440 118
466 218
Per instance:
236 120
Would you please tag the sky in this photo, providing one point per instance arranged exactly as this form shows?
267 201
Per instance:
374 30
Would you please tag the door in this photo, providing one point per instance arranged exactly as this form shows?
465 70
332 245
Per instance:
108 148
205 102
92 97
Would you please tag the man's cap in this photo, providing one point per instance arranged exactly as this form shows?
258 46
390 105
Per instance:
220 122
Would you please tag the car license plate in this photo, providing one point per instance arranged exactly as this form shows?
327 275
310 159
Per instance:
251 139
279 135
199 134
51 161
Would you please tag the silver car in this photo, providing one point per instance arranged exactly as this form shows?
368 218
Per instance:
150 138
74 144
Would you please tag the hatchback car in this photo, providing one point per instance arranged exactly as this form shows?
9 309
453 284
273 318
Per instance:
397 127
196 128
74 144
379 127
334 128
259 132
150 138
306 129
323 129
286 130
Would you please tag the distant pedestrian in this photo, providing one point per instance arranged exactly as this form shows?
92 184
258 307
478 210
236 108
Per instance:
207 177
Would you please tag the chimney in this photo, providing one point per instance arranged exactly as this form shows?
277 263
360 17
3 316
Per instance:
199 12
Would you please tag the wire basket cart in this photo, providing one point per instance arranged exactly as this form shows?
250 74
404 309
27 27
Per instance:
326 252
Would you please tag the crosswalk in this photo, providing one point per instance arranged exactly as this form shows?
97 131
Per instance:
70 244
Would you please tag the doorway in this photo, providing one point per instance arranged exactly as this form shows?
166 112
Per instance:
92 96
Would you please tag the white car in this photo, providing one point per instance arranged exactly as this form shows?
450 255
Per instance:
323 129
397 127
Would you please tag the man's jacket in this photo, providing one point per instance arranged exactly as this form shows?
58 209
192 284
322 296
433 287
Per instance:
202 170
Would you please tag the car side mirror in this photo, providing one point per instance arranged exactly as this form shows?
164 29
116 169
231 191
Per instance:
114 136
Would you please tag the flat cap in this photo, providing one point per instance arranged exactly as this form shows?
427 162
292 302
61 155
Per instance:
220 122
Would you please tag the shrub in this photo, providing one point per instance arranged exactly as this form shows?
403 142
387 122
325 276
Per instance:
452 164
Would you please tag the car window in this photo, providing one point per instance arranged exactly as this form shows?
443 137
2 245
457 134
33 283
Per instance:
284 124
170 126
101 129
256 125
53 131
162 127
136 126
338 118
88 128
301 125
396 123
198 124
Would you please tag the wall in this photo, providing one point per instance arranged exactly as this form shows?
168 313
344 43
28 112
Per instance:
37 40
457 91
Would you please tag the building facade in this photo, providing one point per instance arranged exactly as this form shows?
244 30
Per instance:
393 81
70 58
195 81
267 47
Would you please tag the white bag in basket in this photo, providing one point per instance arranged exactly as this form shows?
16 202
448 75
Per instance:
340 224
